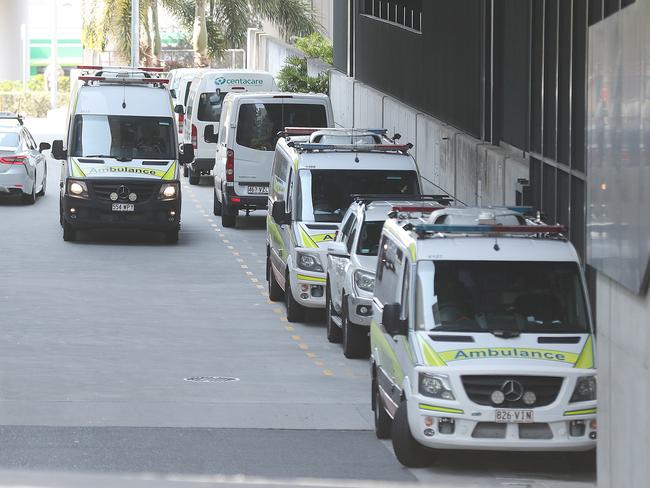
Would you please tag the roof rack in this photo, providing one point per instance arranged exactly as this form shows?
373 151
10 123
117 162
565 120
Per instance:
433 230
123 80
307 131
312 147
370 197
150 69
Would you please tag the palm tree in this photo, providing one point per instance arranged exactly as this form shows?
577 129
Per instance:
216 24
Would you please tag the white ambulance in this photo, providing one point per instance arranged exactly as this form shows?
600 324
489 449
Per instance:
203 111
481 336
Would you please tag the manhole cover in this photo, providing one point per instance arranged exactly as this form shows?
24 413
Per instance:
211 379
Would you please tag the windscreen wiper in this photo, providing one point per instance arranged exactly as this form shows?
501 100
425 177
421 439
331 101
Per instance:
505 333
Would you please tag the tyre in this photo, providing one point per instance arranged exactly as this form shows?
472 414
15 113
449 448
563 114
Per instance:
409 452
355 337
42 192
275 291
31 198
195 178
69 232
333 330
186 171
382 419
171 236
228 216
295 311
216 205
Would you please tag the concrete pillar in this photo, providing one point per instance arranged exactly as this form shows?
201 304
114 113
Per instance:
13 13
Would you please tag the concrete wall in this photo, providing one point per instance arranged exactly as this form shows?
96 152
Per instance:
13 13
475 172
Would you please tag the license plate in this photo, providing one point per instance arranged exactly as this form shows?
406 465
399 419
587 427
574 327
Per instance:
514 417
258 190
123 207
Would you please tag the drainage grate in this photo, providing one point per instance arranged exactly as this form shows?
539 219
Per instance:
211 379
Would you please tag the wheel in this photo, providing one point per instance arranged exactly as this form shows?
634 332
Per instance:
275 291
382 419
31 198
295 311
216 205
171 236
69 232
409 452
186 171
195 177
42 192
228 216
355 337
333 330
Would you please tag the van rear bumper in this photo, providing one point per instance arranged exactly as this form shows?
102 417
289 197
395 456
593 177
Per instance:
257 202
202 164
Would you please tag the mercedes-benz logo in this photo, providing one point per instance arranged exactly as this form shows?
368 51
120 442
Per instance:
123 192
512 390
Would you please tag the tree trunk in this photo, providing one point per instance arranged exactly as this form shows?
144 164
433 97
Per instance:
200 39
157 44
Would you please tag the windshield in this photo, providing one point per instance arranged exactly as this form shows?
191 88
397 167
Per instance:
369 238
210 106
122 137
512 297
259 123
330 191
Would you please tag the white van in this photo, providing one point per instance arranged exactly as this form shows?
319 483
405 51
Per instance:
314 181
247 141
203 111
180 89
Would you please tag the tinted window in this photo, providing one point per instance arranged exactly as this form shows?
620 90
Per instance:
188 86
259 123
209 109
369 238
389 272
8 139
483 296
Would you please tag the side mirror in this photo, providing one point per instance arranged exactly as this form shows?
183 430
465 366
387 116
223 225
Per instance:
172 92
179 110
338 249
209 135
187 154
279 215
57 150
44 146
391 320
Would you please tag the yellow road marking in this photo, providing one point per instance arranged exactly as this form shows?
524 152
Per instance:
328 372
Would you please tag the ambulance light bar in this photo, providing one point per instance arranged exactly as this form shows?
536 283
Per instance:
307 131
370 197
488 229
402 148
150 69
124 81
415 208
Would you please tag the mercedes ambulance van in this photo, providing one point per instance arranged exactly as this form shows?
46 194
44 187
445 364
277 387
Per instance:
313 182
481 336
120 156
203 111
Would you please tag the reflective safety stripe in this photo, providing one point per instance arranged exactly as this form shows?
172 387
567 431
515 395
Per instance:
76 170
587 411
586 357
171 172
311 278
307 241
430 355
424 406
378 340
414 255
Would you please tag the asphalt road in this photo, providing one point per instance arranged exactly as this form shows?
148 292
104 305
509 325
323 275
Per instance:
100 337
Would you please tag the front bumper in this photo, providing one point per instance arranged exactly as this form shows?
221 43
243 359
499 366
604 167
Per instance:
151 214
308 288
474 426
359 310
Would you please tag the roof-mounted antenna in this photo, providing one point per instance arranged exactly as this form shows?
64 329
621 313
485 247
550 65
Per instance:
124 98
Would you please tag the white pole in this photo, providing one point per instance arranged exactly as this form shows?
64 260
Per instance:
54 73
135 33
24 40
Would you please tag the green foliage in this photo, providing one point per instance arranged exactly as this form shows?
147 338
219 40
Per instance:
293 77
315 45
30 103
35 83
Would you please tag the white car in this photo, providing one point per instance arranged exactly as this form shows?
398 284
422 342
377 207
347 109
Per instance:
352 261
481 337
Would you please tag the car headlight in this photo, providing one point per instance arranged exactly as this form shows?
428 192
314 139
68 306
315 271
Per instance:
364 280
77 189
309 262
168 191
435 386
585 389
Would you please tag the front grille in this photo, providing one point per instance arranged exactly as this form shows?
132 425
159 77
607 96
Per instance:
479 388
144 190
489 430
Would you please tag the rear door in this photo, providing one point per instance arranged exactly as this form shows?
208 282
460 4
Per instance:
257 125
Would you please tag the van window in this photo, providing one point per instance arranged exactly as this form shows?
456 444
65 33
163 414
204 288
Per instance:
369 238
188 87
329 192
389 272
519 297
259 123
123 137
210 104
